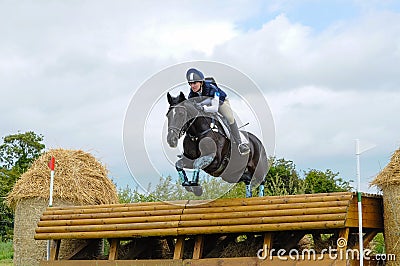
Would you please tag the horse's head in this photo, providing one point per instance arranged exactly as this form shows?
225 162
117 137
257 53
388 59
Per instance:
177 117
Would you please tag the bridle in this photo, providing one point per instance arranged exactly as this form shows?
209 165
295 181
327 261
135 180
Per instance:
182 130
179 131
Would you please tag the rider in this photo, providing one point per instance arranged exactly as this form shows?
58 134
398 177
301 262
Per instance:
217 102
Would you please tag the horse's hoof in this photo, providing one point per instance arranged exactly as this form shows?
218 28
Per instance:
188 188
198 191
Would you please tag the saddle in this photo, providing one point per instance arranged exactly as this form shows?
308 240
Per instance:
225 127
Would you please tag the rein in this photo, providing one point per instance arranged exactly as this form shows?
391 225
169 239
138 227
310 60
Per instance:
183 130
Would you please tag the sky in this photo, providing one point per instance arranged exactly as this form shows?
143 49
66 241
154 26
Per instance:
329 71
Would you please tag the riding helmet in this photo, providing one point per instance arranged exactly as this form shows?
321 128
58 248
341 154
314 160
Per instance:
193 75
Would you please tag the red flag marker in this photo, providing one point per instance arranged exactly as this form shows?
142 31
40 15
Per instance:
52 163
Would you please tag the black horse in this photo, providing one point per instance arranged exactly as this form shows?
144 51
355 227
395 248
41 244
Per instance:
207 146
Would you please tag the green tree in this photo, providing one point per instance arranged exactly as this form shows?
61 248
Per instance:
317 181
128 195
17 153
169 189
282 178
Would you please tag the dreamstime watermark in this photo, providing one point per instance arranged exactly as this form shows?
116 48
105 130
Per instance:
339 253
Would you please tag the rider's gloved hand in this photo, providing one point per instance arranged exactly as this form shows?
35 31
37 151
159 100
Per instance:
199 106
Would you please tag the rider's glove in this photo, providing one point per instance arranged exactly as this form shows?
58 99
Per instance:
199 106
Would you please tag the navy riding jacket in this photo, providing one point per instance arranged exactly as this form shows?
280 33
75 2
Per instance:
209 90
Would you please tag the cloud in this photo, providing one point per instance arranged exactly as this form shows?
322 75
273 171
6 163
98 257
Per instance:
283 55
68 70
328 120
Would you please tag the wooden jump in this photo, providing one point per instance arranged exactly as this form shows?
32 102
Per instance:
200 219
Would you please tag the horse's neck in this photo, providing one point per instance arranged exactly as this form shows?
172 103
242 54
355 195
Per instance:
198 124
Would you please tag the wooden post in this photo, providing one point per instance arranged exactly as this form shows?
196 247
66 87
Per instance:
113 254
79 249
54 249
344 234
179 247
342 243
198 247
267 244
367 238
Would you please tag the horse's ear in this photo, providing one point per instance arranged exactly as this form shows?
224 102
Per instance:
169 97
182 97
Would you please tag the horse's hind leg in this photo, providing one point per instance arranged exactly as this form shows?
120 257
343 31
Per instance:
261 189
260 172
246 178
249 194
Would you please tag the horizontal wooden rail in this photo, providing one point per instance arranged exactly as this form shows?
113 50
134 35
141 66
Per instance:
195 216
193 223
187 213
153 206
179 218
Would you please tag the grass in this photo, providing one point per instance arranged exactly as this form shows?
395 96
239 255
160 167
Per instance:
8 262
6 252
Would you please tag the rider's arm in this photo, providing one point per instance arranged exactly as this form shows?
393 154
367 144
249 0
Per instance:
213 107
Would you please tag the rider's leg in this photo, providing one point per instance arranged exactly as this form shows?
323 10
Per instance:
242 146
226 110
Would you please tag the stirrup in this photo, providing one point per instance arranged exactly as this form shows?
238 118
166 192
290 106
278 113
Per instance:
243 148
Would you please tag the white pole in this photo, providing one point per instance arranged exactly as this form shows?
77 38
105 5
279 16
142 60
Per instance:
360 227
51 165
51 188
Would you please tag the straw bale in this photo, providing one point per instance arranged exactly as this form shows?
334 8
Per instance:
79 178
391 218
388 180
390 175
27 250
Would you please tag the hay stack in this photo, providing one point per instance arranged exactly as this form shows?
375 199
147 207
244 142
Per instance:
388 180
79 180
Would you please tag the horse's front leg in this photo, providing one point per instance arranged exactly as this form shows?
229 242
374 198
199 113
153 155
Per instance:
200 163
179 165
207 148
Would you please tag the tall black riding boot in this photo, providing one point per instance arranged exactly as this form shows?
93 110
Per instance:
242 147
